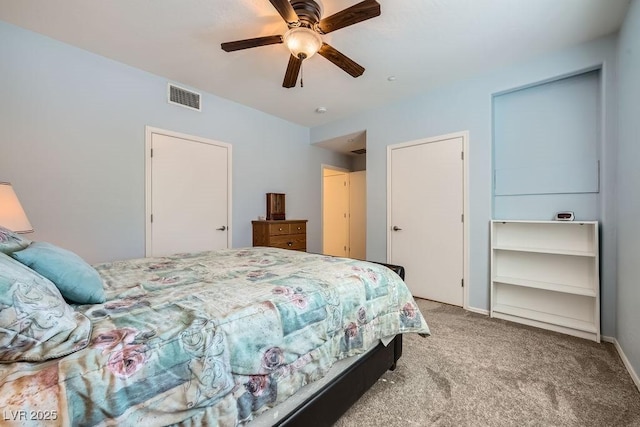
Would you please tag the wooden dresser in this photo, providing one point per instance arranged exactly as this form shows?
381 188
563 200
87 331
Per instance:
285 234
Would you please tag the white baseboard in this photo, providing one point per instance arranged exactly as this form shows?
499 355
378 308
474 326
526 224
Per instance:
478 310
627 364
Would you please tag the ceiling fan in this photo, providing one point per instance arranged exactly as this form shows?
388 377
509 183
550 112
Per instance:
304 35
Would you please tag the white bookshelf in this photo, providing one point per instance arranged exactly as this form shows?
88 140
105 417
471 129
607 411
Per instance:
546 274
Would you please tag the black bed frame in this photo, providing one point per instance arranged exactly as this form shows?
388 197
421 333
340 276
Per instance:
329 403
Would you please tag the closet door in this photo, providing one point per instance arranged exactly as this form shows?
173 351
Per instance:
425 215
189 195
335 215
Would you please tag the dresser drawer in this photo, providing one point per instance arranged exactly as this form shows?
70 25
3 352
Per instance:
291 241
298 228
278 229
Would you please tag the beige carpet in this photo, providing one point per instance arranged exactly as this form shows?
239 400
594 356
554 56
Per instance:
477 371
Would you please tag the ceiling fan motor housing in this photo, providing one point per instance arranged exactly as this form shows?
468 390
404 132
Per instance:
308 12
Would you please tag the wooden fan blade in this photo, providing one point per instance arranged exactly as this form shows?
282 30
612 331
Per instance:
352 15
291 75
285 10
347 64
249 43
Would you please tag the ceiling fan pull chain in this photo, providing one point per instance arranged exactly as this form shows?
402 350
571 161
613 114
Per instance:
301 74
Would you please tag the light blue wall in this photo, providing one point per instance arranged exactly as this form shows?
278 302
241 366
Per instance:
72 139
466 105
546 149
628 185
72 129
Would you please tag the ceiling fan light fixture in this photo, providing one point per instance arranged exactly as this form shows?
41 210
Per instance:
302 42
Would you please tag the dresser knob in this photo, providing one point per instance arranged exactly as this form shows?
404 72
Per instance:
280 229
289 243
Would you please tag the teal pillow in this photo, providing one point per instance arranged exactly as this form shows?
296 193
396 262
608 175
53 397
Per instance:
77 281
36 323
11 242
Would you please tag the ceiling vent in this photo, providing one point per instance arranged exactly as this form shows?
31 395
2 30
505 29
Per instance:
359 151
184 97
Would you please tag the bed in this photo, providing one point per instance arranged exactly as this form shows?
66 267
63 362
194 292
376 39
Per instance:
209 338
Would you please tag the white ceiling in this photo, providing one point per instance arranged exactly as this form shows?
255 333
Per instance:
423 43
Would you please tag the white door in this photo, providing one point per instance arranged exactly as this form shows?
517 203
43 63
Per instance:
189 195
335 213
358 215
426 225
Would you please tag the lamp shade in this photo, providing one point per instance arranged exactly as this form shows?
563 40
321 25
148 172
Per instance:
12 215
302 42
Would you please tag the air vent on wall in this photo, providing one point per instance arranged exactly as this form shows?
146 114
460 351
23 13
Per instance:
359 151
184 97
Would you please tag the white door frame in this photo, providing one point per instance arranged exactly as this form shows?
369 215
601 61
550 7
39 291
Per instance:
465 201
149 131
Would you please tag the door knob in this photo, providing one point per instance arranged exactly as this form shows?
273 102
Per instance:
396 228
222 228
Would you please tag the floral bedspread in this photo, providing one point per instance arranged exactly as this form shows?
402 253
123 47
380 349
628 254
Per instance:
210 338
